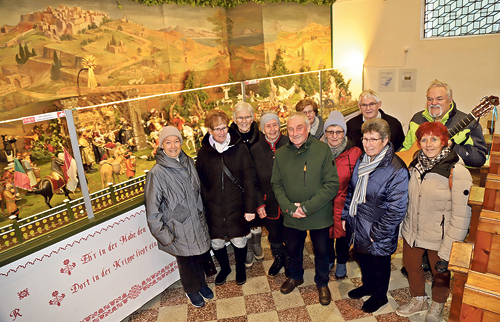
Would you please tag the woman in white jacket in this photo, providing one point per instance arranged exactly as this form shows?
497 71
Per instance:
437 216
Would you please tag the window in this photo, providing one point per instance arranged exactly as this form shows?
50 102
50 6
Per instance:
449 18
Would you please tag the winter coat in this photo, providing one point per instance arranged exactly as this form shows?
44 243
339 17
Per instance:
174 208
224 202
249 138
345 162
386 201
397 134
469 143
263 157
308 176
437 216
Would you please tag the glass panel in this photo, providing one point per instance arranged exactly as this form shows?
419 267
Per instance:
439 15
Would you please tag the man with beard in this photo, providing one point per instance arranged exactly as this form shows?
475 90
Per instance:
469 143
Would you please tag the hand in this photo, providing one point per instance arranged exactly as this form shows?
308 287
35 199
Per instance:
343 224
299 213
249 216
441 266
262 212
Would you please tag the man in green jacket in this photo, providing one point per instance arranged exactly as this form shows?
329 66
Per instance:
305 181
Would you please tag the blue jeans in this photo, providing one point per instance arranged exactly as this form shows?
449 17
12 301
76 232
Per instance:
295 244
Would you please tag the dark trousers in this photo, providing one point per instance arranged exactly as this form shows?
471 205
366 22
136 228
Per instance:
412 260
295 246
340 246
191 272
276 235
375 273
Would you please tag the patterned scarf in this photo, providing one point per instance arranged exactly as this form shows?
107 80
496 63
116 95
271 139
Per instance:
336 151
425 163
365 168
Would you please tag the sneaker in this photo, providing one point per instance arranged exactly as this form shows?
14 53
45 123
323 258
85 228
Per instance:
435 312
416 305
206 292
340 271
196 299
279 262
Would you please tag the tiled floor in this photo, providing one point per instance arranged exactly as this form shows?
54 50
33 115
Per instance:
260 300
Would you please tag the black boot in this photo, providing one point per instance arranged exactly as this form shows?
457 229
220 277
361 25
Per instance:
240 255
208 264
225 269
279 262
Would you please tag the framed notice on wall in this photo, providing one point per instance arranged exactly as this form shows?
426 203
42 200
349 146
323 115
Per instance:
386 80
407 80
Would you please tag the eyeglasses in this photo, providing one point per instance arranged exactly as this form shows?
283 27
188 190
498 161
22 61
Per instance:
308 112
241 118
372 104
337 133
370 140
221 129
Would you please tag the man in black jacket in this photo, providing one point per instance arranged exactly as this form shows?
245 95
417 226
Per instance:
369 105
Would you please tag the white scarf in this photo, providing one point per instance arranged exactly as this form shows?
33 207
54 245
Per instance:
365 168
220 147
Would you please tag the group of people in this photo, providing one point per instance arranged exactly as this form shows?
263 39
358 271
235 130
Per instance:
342 182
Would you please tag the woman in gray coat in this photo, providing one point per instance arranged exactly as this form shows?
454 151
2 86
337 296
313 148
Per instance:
175 213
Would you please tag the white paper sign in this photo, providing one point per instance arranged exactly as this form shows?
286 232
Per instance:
102 274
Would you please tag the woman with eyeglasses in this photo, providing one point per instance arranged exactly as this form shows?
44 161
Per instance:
345 155
437 216
310 108
375 205
227 177
248 129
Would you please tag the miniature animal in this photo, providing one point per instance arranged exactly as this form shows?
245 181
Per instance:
48 185
109 169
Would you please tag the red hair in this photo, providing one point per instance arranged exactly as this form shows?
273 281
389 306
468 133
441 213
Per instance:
433 128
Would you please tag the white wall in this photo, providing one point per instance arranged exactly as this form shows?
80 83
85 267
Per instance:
379 31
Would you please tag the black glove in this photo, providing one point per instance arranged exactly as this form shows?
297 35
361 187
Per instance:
441 266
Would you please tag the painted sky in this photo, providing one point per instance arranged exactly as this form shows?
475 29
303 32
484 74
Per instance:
151 17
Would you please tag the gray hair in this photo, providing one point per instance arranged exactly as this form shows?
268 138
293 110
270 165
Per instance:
243 106
299 114
377 125
369 93
438 83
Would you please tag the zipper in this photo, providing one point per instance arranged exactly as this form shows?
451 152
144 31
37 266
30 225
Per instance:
305 170
442 228
222 175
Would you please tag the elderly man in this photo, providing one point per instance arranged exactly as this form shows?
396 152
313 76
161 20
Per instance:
267 207
305 181
369 104
469 143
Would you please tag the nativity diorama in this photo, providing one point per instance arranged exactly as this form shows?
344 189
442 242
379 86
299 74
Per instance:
126 73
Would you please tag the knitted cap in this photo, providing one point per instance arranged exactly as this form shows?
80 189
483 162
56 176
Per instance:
335 118
169 131
268 116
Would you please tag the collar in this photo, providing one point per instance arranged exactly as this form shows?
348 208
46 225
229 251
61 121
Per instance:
452 111
378 116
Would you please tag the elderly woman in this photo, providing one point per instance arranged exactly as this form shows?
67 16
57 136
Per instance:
437 216
310 108
375 205
346 155
267 207
228 185
248 129
175 215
